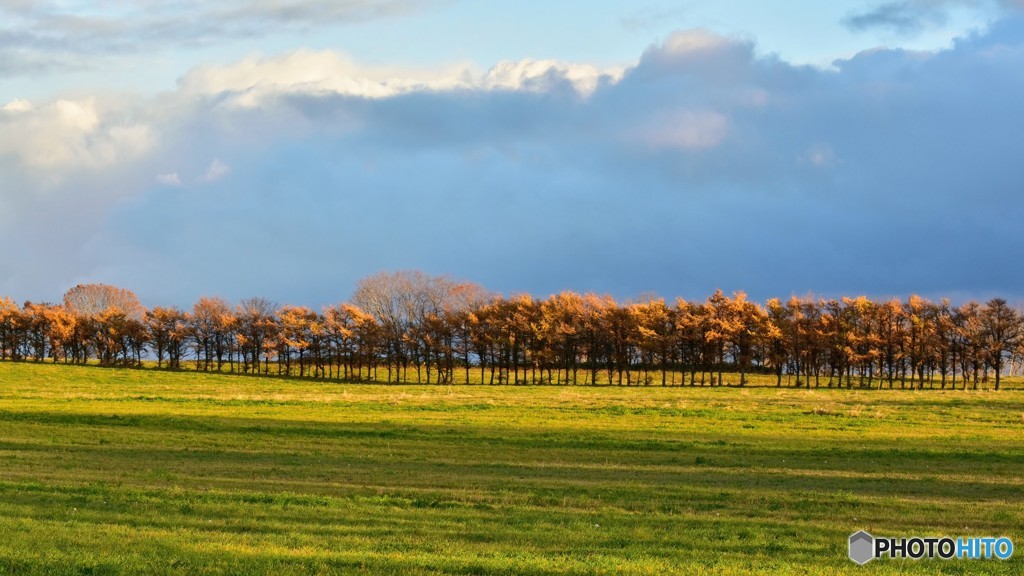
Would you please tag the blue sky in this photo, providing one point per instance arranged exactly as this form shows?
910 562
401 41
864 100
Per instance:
287 149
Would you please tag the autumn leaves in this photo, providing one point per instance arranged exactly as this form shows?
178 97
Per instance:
413 327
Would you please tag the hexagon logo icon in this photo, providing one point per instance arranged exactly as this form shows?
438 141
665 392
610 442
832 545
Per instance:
862 547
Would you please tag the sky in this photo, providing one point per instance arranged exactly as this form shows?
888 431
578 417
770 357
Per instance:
288 148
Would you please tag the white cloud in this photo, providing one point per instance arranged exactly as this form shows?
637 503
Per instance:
73 133
77 115
540 75
302 68
18 105
253 79
169 179
216 171
693 41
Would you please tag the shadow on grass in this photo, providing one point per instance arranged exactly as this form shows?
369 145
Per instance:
304 452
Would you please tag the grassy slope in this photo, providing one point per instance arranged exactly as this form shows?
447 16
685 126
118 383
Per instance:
119 471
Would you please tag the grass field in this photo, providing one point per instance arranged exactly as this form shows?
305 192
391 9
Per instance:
144 472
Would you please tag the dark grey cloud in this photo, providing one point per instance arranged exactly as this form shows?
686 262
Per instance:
40 35
909 17
706 166
906 17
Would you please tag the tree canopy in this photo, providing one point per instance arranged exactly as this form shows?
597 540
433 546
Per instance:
413 327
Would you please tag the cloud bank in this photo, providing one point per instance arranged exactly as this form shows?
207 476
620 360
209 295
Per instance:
703 165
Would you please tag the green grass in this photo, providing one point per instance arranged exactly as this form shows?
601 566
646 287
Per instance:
107 471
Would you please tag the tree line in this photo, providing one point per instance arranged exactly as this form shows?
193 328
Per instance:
413 327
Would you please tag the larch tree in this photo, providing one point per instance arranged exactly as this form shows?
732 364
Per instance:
1001 330
969 340
744 327
60 326
10 317
465 298
341 322
256 326
207 331
167 333
776 341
